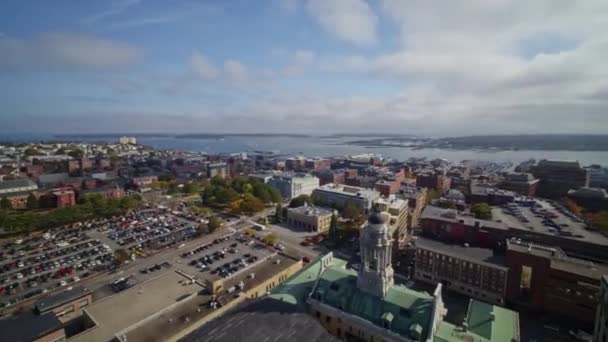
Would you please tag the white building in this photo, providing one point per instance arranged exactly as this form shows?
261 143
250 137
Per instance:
128 140
294 185
398 210
337 195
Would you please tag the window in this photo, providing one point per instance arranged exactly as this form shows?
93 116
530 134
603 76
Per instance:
526 278
327 319
318 314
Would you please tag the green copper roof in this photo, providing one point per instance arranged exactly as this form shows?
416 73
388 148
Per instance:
296 289
338 288
485 323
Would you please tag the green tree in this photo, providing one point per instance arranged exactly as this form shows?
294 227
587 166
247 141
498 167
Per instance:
32 151
299 201
275 194
278 213
270 239
351 211
5 204
191 188
214 224
32 202
333 228
121 256
251 204
76 153
446 204
130 202
482 211
431 195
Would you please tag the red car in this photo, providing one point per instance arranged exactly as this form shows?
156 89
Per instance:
305 260
306 243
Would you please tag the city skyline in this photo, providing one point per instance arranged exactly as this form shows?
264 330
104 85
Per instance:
303 66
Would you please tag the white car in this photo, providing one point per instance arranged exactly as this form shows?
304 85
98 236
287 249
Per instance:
63 283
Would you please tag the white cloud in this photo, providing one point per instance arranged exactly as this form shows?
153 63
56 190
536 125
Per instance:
235 71
299 61
350 20
117 9
66 50
469 65
202 67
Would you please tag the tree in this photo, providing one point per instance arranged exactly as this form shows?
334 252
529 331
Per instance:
299 201
121 256
191 188
333 228
278 213
76 153
351 211
573 207
431 195
482 211
270 239
446 204
251 204
214 224
31 151
275 194
32 202
130 202
5 203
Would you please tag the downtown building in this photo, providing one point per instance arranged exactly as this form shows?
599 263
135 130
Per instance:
475 272
337 196
559 177
294 185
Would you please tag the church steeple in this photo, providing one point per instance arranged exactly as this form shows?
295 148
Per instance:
376 273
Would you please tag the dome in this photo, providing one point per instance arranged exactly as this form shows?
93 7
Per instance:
378 217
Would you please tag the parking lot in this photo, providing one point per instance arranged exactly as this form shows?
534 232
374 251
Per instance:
225 256
63 256
545 217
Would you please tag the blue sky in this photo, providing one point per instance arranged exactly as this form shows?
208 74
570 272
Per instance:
402 66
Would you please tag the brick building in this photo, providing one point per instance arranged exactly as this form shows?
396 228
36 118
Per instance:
475 272
546 279
63 197
331 176
65 303
387 187
521 183
558 177
318 164
433 180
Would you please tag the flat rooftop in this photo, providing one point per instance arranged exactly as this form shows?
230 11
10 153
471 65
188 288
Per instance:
559 259
61 298
451 215
310 210
267 319
120 311
174 321
348 190
474 254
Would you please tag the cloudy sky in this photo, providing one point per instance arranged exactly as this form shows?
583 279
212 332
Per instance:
400 66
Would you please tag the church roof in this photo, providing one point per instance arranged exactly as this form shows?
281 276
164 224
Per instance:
408 309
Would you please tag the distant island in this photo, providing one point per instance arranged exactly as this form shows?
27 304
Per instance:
539 142
176 136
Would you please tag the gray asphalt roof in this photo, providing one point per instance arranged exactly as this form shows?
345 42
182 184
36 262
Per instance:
267 319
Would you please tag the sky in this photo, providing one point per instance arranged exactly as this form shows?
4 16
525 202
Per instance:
442 68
